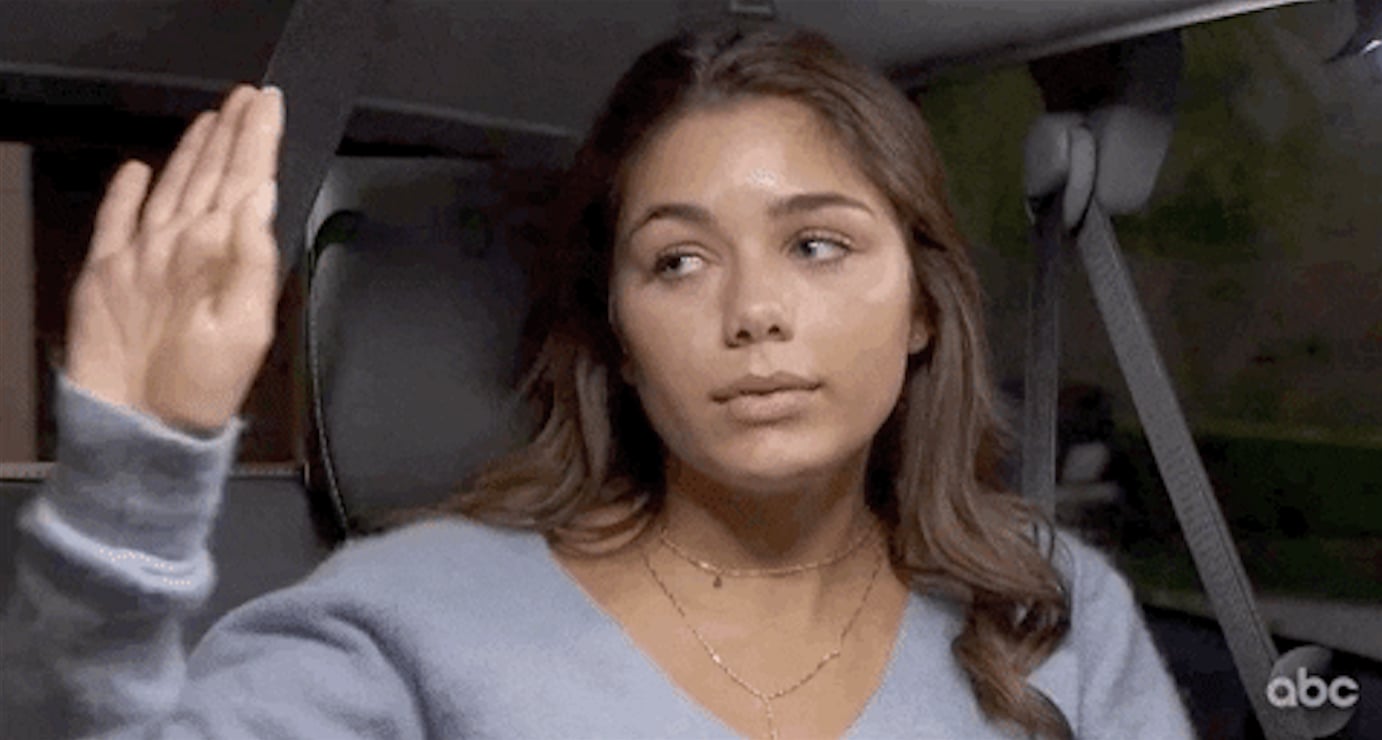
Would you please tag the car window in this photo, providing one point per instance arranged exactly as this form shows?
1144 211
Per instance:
1258 268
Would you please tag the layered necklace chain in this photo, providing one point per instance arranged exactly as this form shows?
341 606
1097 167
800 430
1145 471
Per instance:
764 698
785 570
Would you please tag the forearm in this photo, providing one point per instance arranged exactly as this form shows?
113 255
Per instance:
112 556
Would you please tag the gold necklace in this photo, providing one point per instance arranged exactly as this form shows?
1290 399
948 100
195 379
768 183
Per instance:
765 698
779 571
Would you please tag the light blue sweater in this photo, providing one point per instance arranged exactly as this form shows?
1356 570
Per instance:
443 629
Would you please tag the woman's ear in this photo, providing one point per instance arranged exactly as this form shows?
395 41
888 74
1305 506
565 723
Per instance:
626 367
920 335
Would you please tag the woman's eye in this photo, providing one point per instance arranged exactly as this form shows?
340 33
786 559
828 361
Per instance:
675 265
822 248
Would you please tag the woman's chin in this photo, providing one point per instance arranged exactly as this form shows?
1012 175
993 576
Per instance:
771 462
774 474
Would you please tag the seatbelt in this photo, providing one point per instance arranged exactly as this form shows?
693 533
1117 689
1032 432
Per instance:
319 62
1041 386
1206 533
1080 166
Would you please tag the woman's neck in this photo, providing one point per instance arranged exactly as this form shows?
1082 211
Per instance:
745 529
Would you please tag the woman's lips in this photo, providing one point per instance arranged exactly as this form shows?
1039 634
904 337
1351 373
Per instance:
761 408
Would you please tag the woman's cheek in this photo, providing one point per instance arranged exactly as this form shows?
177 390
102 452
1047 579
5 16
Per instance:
669 383
869 357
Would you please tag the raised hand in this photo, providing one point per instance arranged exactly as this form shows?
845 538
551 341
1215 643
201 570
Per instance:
173 312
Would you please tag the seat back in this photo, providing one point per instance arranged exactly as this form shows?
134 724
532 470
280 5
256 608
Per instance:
415 311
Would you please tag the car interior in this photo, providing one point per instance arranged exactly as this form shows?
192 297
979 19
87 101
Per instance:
425 137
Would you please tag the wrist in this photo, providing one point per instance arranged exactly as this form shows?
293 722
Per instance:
127 479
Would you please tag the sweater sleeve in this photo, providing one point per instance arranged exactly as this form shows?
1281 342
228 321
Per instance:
1124 687
113 555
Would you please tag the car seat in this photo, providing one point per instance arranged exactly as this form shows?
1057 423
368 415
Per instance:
414 314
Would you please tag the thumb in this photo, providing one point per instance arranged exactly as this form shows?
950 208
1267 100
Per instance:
251 286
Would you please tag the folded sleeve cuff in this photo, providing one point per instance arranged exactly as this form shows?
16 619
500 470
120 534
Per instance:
127 479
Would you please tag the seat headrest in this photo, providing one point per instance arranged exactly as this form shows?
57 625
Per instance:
413 337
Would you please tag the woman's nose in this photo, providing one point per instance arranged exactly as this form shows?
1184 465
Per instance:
756 307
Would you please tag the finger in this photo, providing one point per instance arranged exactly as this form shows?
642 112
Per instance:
164 200
117 218
254 153
252 285
211 161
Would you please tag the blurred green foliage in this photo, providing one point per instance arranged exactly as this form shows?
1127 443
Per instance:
978 122
1305 514
1257 251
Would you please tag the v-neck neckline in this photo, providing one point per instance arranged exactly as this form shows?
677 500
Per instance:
615 629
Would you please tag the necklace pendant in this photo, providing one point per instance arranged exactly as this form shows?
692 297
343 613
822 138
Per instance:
718 582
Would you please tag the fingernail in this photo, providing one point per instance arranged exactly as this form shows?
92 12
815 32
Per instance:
134 168
277 95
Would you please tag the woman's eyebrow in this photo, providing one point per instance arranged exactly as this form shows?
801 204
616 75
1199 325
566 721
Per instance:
803 202
682 211
800 203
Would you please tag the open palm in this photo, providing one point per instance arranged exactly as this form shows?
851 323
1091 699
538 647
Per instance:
173 312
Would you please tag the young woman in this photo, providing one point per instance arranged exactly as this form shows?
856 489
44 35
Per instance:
764 501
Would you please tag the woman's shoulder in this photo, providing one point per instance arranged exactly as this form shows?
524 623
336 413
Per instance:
441 556
409 588
1108 675
441 538
1089 572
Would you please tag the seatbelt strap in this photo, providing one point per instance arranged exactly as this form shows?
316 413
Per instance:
1211 545
1085 159
1041 386
319 62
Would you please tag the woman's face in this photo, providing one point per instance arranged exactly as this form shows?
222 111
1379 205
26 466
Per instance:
750 248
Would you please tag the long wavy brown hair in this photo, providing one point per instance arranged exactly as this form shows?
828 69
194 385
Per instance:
934 476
